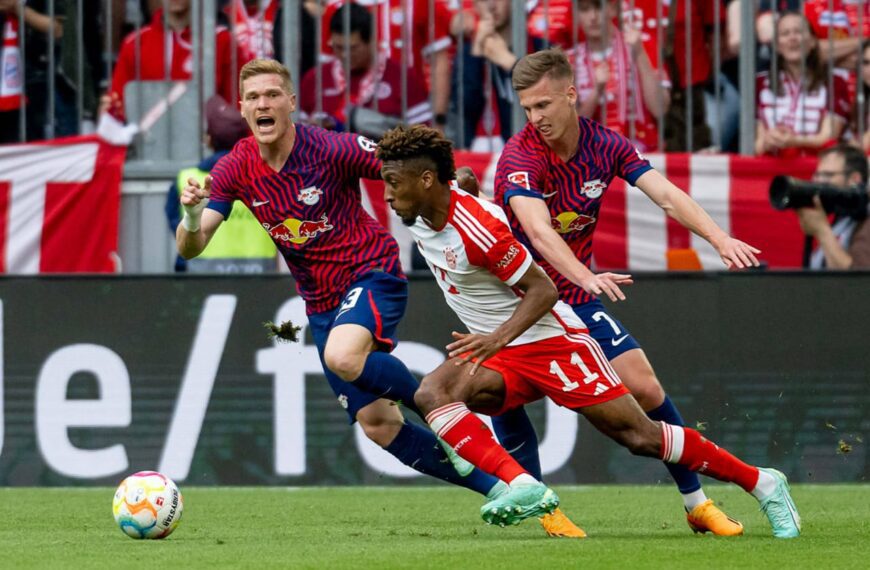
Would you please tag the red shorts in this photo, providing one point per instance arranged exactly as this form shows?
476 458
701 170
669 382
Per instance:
571 370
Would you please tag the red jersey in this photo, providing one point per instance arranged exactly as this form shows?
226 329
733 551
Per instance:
253 27
571 190
623 103
383 84
795 108
312 209
11 68
153 42
839 23
394 21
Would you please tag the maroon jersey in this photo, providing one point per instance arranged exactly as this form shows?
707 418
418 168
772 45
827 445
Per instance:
312 209
572 190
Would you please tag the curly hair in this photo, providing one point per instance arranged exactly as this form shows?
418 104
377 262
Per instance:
419 142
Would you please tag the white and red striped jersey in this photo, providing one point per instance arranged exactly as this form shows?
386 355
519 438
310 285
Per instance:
477 261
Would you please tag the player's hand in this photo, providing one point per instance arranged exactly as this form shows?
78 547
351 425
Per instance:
193 201
607 283
478 346
735 253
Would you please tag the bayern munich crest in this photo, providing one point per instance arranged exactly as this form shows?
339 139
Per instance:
450 256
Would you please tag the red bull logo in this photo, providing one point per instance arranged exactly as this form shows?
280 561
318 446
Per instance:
298 231
568 222
593 188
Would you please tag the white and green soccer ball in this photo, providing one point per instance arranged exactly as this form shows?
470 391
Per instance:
147 504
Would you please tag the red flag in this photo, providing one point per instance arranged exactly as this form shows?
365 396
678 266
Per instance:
59 206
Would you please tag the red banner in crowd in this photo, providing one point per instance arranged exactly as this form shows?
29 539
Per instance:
59 206
633 233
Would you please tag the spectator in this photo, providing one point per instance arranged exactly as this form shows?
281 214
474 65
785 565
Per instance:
702 19
406 25
845 242
252 23
257 26
615 80
240 245
151 41
375 85
839 20
12 76
794 107
862 115
38 26
487 60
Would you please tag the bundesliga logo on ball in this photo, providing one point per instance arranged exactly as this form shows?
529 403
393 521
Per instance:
147 505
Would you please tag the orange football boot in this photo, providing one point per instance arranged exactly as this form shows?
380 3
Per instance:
558 524
707 517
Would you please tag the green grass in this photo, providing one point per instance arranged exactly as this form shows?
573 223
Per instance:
374 527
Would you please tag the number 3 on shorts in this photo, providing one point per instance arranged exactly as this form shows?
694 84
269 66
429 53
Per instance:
350 300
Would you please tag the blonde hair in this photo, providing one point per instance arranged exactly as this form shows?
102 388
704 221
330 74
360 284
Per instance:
535 66
265 67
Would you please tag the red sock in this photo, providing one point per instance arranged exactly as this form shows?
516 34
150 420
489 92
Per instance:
687 447
473 440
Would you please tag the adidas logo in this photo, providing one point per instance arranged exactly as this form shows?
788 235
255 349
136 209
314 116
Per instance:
600 388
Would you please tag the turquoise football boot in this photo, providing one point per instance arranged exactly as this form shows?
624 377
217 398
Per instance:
519 503
780 508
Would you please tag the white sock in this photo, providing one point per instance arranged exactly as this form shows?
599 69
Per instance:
693 499
524 479
765 486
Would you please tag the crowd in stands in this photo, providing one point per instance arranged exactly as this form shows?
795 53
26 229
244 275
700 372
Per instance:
645 68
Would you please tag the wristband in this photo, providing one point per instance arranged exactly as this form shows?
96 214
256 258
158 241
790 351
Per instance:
190 224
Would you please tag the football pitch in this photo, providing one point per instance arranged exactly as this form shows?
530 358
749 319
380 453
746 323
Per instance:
426 527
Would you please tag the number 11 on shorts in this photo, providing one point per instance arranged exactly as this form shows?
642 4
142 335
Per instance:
588 375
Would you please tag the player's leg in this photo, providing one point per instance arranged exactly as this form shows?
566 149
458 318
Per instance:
363 333
382 422
623 420
445 396
635 371
515 432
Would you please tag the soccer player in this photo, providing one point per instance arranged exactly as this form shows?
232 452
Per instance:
302 184
525 344
550 180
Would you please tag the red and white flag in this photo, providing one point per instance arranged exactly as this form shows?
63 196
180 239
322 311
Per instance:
59 206
633 233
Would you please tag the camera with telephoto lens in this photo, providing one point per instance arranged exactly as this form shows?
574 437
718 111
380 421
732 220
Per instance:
790 193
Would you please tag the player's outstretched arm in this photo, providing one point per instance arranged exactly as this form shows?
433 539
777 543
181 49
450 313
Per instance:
680 206
540 296
535 219
197 224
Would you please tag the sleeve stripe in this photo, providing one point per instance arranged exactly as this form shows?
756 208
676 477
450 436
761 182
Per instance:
461 225
475 223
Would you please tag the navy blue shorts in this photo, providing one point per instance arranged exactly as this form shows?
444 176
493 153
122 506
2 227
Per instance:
377 302
607 331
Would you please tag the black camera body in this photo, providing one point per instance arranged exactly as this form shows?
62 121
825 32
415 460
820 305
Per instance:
790 193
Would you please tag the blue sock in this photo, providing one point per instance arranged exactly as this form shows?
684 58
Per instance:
687 481
417 448
387 377
516 434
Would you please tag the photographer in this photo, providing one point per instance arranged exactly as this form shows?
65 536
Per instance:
845 243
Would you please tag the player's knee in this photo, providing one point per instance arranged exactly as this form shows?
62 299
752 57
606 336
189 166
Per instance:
648 392
379 428
427 397
347 365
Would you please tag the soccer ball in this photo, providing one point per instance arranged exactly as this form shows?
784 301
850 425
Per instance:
147 504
